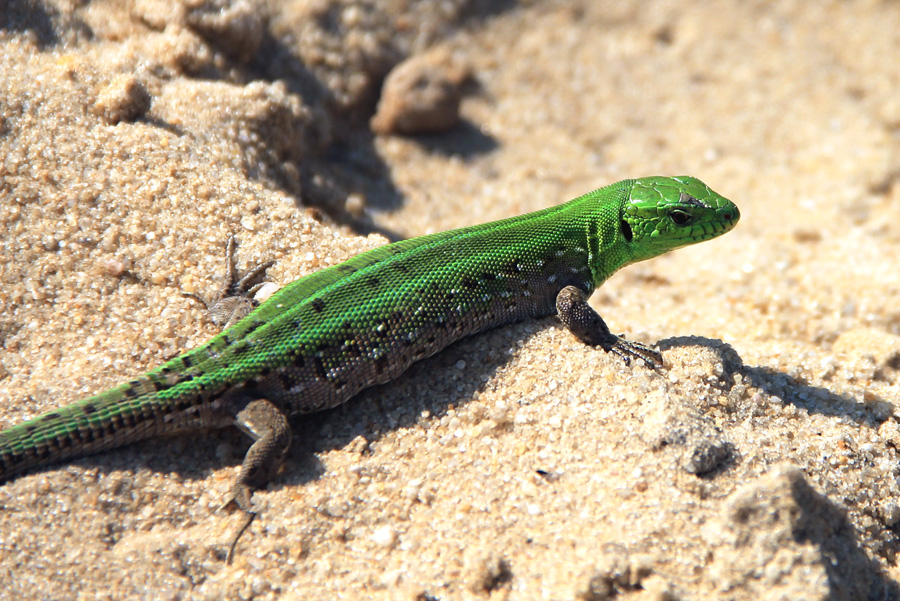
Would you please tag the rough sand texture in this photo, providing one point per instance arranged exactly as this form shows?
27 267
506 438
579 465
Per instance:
761 464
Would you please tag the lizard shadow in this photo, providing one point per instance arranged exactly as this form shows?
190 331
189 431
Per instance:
791 390
402 402
367 416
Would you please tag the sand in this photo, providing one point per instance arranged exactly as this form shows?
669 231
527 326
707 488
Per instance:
762 463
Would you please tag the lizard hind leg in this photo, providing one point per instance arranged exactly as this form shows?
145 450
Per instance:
268 425
234 300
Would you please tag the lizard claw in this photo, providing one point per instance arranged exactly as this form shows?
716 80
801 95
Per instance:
239 497
248 519
628 350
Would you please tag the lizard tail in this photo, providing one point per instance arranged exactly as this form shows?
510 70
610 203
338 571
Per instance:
113 418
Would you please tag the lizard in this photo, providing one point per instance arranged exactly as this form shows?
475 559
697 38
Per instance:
320 340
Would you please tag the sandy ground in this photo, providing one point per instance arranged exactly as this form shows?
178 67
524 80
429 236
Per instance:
762 463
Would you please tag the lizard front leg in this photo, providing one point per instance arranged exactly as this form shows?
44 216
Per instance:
587 325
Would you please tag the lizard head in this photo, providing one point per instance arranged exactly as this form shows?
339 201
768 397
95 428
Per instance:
665 213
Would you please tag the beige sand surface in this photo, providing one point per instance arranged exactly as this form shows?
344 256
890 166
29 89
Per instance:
135 136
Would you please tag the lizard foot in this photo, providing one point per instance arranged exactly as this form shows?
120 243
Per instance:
240 498
235 299
629 350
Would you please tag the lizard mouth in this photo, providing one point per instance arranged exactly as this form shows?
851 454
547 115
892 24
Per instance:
724 222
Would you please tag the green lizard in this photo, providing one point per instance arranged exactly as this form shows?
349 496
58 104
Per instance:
323 338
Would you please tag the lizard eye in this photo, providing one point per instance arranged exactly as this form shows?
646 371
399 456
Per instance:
680 217
626 230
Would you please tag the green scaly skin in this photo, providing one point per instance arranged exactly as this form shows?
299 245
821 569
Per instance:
325 337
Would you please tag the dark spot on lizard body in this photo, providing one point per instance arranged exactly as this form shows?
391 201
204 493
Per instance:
321 370
134 386
298 358
512 268
287 380
253 326
469 282
352 349
241 347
